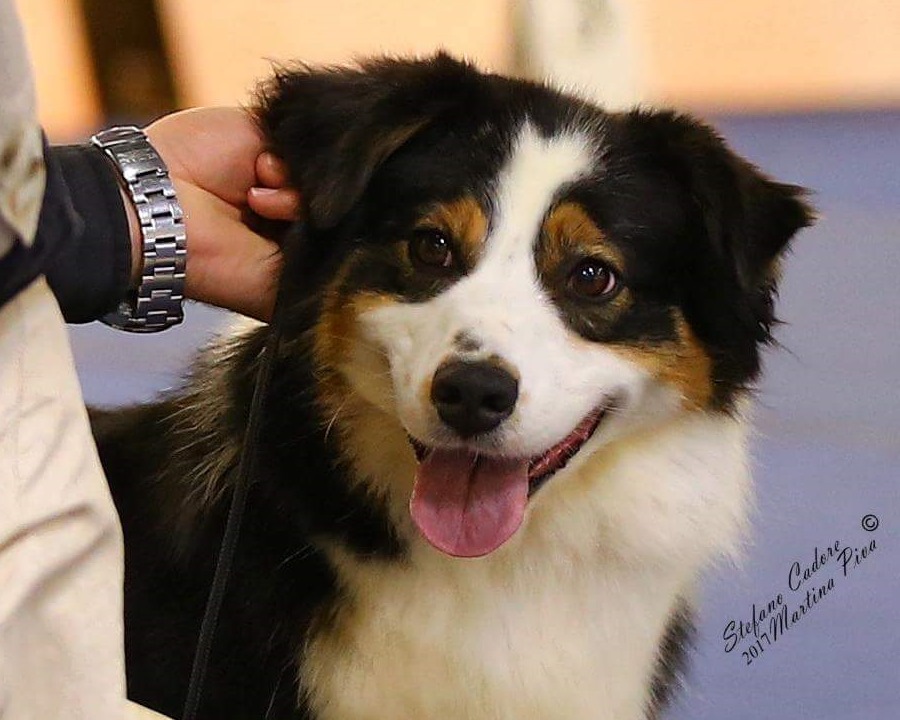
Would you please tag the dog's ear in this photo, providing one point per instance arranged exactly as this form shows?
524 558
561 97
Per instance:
335 126
748 220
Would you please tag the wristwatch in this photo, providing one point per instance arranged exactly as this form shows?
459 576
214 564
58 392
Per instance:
156 304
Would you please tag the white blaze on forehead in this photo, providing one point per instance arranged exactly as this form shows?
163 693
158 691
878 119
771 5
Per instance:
537 169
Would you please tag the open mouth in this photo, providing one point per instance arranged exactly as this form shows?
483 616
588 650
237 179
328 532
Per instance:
467 503
543 467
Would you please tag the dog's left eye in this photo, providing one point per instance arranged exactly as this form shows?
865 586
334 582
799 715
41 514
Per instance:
593 278
430 249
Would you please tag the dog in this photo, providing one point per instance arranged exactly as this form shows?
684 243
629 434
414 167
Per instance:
506 426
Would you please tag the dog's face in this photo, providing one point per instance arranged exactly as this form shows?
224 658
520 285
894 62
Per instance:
518 278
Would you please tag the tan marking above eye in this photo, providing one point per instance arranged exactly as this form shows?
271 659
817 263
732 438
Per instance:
463 220
569 229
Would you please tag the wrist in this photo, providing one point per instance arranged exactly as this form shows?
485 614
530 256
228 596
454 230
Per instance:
152 209
136 240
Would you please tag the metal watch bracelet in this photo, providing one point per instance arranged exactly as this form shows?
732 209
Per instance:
156 304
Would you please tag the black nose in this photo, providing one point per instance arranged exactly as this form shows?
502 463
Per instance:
473 397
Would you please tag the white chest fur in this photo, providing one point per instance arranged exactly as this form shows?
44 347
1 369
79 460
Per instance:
436 643
562 622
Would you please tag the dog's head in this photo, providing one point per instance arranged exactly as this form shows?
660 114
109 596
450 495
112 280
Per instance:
516 277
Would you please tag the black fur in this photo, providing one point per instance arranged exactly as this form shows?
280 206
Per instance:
671 663
370 147
280 581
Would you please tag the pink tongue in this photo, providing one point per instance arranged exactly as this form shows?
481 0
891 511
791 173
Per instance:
467 505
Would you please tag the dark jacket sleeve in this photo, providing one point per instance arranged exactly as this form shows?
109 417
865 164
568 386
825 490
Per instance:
82 243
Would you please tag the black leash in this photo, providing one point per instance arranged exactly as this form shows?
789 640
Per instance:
245 479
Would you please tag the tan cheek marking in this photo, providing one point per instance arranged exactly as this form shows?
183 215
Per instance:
334 335
464 220
683 364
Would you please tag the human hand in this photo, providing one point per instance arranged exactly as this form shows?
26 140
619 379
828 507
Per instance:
218 166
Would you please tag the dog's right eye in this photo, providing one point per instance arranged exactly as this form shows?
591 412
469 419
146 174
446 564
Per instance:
430 250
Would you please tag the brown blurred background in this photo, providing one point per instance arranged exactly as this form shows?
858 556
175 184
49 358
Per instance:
99 61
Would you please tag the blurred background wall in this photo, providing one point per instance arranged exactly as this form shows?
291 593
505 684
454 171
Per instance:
707 55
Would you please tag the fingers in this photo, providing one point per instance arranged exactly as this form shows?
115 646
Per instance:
273 203
271 170
273 200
